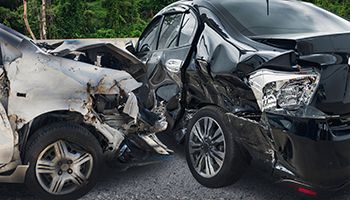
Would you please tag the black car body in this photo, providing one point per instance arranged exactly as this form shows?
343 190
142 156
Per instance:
259 82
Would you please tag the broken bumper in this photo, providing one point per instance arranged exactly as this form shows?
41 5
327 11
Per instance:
138 150
309 155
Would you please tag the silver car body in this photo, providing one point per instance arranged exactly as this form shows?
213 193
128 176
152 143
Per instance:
35 81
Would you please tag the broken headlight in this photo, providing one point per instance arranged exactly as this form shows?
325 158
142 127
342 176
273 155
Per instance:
283 90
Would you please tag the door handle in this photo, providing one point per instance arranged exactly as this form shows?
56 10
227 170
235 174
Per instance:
173 65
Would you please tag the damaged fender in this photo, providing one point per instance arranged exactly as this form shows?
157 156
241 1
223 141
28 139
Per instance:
6 137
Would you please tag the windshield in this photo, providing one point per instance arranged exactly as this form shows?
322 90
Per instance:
252 18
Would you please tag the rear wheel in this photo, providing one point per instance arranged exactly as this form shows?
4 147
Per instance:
65 162
212 154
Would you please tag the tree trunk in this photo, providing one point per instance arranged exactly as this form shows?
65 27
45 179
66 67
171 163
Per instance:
40 29
346 8
26 20
38 13
43 19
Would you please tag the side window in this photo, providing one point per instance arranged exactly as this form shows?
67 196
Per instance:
188 28
149 38
170 31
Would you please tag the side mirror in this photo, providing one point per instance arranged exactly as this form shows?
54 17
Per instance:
130 47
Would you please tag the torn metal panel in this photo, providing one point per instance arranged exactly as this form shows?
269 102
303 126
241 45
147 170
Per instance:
131 108
153 141
115 81
114 136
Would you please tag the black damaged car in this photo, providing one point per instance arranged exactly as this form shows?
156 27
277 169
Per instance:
263 83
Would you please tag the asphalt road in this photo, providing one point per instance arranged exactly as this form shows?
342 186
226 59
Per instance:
169 180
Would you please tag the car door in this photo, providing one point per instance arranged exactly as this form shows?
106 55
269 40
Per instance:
164 56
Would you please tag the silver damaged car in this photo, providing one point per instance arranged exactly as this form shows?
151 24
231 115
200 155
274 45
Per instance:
67 107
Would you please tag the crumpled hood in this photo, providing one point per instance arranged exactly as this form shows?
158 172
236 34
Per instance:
68 46
128 62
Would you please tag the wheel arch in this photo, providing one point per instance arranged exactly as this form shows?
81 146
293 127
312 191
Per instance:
236 136
65 161
58 116
226 174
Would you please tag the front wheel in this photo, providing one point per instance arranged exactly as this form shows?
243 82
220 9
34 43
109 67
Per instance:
212 154
65 161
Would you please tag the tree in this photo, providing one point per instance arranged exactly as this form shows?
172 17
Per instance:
58 19
150 7
43 18
69 21
26 19
123 18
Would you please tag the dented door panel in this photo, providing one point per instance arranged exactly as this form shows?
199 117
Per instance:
215 78
163 80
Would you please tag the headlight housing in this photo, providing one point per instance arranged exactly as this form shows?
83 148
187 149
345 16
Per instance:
283 90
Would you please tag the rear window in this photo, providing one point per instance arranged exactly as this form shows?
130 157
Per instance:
251 18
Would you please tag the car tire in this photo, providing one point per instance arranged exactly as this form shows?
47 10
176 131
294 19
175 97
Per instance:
212 154
64 161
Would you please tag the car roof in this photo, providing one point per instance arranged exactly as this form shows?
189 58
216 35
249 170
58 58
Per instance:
11 36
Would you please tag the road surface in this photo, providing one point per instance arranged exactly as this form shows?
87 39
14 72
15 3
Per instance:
169 180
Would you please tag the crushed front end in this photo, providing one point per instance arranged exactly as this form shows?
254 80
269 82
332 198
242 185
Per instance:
128 129
79 82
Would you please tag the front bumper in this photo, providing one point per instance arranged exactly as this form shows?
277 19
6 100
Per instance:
18 175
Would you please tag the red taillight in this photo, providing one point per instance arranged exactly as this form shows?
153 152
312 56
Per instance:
306 191
300 189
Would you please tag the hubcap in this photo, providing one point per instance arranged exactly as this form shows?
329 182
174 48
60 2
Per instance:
61 168
207 147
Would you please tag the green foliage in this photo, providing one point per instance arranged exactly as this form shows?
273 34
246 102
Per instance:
69 19
339 7
148 8
12 19
101 18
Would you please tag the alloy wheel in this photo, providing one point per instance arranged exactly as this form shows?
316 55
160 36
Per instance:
207 147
